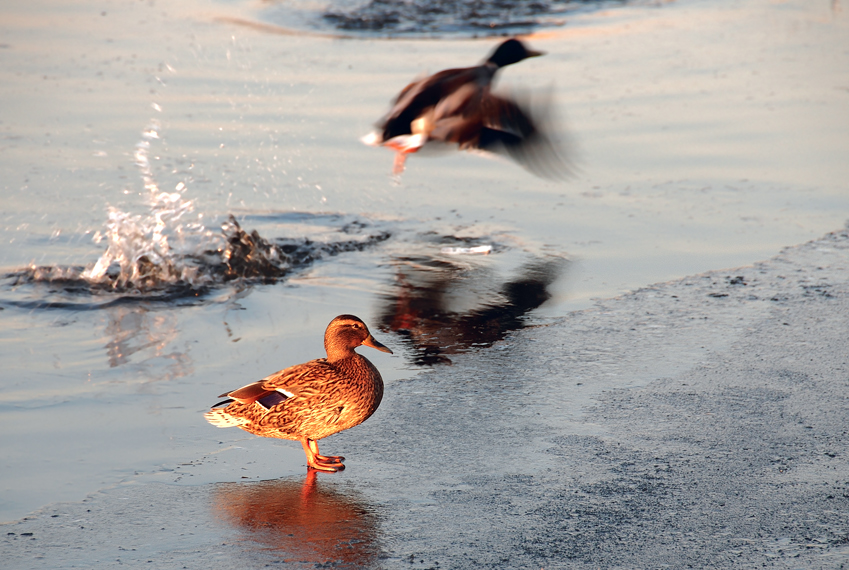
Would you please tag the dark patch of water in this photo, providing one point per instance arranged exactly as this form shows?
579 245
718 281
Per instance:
476 17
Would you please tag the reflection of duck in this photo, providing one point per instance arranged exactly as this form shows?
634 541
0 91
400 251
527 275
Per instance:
144 338
456 106
313 400
303 522
421 307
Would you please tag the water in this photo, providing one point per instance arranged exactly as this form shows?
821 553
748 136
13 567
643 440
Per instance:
435 18
709 134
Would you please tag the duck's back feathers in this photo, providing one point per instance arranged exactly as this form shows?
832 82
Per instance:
440 89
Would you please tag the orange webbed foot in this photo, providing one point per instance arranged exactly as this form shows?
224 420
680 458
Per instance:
328 463
329 458
326 467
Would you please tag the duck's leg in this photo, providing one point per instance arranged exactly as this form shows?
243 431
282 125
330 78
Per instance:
316 461
404 145
324 458
398 165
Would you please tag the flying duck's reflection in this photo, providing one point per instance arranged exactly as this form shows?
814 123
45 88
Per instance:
302 522
444 307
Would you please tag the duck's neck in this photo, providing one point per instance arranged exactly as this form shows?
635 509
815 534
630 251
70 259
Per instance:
336 354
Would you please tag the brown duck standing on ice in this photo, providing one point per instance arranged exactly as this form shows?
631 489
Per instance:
456 106
311 401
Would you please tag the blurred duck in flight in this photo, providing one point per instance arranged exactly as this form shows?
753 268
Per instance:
456 106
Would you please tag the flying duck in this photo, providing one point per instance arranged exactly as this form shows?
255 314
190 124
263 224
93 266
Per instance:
456 106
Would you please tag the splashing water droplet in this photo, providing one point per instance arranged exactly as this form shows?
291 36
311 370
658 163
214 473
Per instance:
145 251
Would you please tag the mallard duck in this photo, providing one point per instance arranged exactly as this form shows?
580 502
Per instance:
455 106
311 401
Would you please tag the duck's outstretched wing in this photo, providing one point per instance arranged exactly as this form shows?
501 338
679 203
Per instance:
510 128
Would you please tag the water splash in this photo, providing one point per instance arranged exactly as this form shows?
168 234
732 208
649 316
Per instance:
168 252
149 249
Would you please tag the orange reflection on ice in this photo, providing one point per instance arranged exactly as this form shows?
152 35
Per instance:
302 521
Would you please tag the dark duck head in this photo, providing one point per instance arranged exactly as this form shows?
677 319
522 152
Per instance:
510 52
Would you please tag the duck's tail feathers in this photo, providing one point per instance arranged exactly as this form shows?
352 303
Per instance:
220 418
374 138
402 143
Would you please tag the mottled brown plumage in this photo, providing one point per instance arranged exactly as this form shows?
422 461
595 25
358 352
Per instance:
311 401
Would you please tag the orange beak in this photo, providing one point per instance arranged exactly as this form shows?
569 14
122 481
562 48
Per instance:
369 341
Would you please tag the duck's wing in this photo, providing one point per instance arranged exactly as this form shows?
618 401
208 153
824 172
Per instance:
509 128
299 380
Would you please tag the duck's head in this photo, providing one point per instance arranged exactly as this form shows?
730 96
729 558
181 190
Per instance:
344 334
511 51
